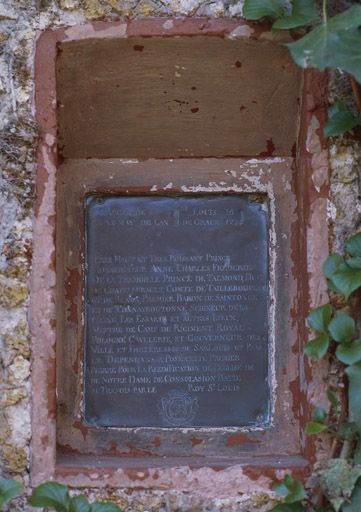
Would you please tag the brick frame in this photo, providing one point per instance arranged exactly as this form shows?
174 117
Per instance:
309 246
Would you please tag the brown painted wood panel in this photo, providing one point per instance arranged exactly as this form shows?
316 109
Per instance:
154 97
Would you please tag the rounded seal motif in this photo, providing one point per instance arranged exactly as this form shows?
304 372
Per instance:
178 408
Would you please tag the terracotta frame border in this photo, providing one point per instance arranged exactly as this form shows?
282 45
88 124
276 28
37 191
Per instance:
199 445
311 190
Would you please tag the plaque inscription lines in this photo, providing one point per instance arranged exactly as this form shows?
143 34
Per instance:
177 307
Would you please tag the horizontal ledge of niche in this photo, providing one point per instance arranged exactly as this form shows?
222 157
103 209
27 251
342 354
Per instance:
177 474
131 158
89 462
230 163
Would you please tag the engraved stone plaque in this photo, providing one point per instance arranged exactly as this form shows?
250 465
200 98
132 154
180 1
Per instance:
176 307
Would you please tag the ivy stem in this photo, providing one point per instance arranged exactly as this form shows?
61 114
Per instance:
324 11
346 450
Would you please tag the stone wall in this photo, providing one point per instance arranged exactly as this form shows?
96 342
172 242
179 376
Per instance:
20 23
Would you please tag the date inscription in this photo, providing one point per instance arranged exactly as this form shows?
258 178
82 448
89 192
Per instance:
176 311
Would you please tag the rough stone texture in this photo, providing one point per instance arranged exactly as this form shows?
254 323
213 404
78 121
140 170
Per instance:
345 160
345 168
20 20
159 501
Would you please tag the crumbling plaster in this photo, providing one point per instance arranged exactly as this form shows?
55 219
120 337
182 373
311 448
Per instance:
20 23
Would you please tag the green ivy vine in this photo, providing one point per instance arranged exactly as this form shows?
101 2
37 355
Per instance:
9 489
329 42
54 496
338 478
323 42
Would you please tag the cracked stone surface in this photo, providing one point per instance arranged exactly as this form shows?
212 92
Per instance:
20 22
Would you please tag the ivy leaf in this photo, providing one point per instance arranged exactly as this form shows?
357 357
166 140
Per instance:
353 245
292 490
355 504
280 488
331 286
50 495
288 507
257 9
303 12
349 353
319 414
354 262
357 452
314 427
347 280
347 430
317 347
319 318
8 490
104 506
342 328
337 479
354 378
296 490
340 120
79 504
331 264
334 44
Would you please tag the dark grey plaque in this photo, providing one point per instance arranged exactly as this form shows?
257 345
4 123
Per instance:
176 311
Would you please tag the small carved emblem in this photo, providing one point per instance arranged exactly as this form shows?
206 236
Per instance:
178 408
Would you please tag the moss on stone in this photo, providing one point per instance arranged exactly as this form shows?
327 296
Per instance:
146 9
12 397
12 292
19 370
93 9
17 340
16 459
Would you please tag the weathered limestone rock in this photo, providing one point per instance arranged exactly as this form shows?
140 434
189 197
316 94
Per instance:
12 397
16 459
20 21
345 186
69 5
94 9
19 370
17 339
12 292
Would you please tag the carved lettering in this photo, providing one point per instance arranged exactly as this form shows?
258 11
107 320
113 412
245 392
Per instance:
176 311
